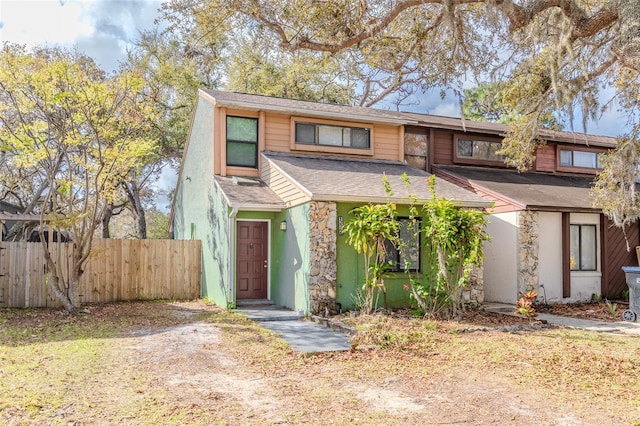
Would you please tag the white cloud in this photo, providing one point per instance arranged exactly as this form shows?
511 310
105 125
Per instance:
102 29
42 21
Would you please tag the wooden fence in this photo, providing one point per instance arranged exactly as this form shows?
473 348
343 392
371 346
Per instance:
117 270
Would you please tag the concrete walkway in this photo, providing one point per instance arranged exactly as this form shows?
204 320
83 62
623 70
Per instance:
619 327
302 335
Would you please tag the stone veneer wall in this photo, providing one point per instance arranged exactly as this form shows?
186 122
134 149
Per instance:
322 278
473 293
527 251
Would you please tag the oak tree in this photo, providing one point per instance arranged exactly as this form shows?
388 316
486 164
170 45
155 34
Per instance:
549 54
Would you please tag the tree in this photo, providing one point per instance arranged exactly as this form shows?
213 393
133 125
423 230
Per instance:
454 238
78 133
487 102
367 232
549 54
258 66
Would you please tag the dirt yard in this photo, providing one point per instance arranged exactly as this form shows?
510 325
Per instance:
190 363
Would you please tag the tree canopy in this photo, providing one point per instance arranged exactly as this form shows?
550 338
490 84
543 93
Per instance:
559 55
70 135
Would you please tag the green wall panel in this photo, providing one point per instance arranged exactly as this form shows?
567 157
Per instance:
351 276
200 211
290 261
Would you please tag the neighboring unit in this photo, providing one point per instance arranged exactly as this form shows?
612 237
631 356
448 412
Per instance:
546 233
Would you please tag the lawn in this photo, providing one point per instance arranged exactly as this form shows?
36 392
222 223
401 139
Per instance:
191 363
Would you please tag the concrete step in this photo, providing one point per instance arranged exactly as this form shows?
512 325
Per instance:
268 313
254 302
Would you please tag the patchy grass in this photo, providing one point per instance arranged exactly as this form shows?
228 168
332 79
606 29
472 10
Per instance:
574 367
190 363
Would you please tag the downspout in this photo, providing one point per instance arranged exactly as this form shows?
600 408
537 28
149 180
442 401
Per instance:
232 256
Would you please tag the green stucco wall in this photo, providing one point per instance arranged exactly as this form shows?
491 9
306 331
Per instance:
200 211
350 275
289 256
290 259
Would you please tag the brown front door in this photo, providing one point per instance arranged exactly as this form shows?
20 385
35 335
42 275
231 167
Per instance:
251 260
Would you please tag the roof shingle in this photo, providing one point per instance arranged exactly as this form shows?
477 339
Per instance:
533 190
348 179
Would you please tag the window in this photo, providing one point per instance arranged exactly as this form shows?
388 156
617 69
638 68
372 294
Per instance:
242 141
330 135
584 159
583 242
478 150
416 147
407 256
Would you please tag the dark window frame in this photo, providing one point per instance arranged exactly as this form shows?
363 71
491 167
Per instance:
396 264
577 169
317 141
235 141
472 160
579 267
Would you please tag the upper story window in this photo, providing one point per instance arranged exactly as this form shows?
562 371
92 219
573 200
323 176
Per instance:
332 135
416 147
580 158
242 141
470 150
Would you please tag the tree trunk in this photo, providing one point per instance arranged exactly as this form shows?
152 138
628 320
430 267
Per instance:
68 298
106 220
133 193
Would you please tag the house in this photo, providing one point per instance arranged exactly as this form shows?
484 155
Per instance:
268 183
546 233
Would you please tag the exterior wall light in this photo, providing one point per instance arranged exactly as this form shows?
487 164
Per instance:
283 225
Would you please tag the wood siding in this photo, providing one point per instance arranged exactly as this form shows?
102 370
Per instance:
615 256
386 139
442 148
387 143
291 194
117 270
546 158
277 132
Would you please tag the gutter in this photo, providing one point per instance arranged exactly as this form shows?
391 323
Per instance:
401 201
232 257
260 207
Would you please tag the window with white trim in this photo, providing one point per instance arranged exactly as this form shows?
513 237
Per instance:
580 158
583 247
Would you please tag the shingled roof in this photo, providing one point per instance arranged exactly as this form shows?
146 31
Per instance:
306 108
374 115
248 194
535 191
343 179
